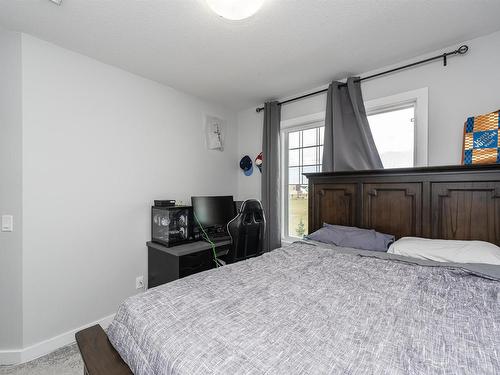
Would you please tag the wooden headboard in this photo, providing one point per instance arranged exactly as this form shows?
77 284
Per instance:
457 202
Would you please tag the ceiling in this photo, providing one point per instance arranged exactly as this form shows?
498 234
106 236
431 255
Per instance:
289 46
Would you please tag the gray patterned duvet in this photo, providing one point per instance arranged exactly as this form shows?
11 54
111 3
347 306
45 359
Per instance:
305 309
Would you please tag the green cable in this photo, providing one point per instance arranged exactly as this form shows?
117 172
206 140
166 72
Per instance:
206 238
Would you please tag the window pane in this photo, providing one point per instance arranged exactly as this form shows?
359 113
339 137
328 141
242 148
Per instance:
320 156
293 157
309 137
394 136
309 156
293 139
303 157
297 210
294 175
308 169
322 135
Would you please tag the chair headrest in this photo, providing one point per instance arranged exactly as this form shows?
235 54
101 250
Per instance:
251 205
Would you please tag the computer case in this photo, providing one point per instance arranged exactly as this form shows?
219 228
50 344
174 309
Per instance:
174 225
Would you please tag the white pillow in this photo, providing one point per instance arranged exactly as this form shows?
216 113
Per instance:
447 250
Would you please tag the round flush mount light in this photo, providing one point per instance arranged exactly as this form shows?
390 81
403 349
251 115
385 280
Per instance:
235 10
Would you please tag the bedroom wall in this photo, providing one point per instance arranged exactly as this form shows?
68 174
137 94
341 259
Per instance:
99 145
10 190
467 86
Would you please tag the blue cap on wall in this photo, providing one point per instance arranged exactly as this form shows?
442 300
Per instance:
247 165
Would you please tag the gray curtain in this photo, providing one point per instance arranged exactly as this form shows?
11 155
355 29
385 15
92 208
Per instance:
348 144
271 197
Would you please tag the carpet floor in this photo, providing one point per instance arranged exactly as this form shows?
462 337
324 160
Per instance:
64 361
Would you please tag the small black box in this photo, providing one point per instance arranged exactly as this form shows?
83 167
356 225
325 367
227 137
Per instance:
164 203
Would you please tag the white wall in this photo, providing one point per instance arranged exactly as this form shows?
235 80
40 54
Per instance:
10 190
99 144
249 143
467 86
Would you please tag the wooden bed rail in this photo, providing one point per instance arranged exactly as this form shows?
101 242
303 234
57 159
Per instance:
99 356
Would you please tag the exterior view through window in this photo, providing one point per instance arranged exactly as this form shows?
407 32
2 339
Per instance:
305 154
394 134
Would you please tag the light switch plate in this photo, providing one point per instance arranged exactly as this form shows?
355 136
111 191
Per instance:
7 223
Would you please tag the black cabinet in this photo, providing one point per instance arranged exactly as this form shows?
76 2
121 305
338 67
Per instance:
167 264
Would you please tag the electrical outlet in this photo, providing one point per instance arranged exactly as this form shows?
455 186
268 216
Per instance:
7 223
139 282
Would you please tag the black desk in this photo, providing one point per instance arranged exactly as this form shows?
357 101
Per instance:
167 264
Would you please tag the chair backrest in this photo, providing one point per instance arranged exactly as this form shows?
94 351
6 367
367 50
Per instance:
247 231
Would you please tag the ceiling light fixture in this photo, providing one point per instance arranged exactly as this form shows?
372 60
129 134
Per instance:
235 10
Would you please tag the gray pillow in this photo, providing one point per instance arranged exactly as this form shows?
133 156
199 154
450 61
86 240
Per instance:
365 239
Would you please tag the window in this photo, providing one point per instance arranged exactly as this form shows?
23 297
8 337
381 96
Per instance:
393 131
399 128
303 154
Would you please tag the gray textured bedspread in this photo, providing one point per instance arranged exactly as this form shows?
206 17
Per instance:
306 309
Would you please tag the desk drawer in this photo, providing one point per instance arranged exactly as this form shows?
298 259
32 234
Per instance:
169 264
194 263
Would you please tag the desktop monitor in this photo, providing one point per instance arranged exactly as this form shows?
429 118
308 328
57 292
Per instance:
214 212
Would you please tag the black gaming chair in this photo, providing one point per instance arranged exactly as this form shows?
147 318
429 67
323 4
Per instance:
247 231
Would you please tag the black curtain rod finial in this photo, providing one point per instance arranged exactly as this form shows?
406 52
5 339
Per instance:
462 50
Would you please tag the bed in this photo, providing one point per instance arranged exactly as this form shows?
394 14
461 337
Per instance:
310 308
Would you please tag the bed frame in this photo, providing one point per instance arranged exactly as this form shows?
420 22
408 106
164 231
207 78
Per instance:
455 203
458 202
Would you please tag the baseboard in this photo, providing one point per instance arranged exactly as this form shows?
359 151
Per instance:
12 357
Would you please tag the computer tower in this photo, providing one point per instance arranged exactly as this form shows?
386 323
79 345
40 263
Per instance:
173 225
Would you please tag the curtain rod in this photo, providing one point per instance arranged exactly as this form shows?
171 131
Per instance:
462 50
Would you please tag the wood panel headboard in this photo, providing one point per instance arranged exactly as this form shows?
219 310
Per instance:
457 202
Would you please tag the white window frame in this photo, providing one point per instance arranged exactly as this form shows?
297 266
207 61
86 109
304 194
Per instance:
420 100
287 126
